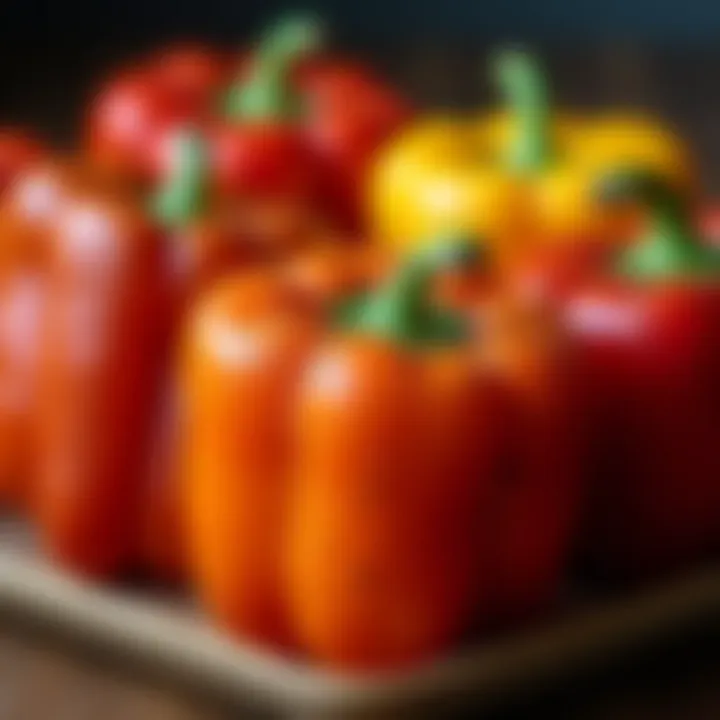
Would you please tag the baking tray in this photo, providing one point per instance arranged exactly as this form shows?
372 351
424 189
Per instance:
164 632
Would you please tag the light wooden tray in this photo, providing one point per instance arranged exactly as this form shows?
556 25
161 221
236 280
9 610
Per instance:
168 635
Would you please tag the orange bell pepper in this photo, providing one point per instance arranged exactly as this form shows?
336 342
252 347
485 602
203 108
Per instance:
249 343
344 491
251 332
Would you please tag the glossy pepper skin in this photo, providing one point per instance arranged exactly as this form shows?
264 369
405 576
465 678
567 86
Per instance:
646 337
28 211
520 180
252 332
287 465
386 527
100 363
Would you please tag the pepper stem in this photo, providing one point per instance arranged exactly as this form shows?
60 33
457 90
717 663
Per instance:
669 247
183 196
401 309
268 94
524 85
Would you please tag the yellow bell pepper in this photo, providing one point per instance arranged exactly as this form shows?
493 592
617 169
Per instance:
519 178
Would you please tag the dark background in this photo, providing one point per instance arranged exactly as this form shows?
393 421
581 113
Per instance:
659 56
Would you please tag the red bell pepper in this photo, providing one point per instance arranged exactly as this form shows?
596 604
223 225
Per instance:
647 341
100 363
341 111
130 118
291 125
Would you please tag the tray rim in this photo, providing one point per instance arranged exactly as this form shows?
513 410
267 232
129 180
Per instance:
140 628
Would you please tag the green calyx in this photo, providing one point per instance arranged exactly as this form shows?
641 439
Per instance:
268 93
183 196
524 85
668 248
401 309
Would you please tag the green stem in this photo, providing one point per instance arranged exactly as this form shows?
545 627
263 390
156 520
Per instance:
401 310
524 85
268 93
183 197
669 247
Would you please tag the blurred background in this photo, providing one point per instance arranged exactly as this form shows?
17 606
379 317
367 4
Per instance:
659 55
662 56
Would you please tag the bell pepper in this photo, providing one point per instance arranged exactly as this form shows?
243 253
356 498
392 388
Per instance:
100 364
133 115
517 181
341 112
294 429
243 522
646 337
333 115
18 150
235 481
288 124
28 210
